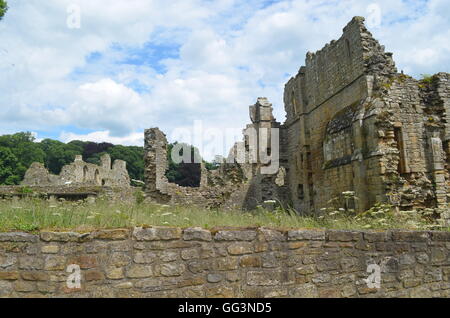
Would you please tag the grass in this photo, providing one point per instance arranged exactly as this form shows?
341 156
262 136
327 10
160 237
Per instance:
32 215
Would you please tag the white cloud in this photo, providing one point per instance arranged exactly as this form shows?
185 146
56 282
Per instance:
107 104
133 139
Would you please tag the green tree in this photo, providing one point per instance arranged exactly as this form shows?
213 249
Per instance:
59 154
25 150
133 156
3 8
184 174
8 165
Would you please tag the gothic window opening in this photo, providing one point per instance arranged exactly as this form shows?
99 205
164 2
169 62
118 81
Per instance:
85 173
301 191
348 49
97 178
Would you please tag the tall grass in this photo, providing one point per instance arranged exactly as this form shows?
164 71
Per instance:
33 215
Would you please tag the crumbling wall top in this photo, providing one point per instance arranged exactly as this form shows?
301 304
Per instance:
339 64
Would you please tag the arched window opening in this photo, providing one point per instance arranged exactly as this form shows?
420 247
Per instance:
348 49
85 173
97 177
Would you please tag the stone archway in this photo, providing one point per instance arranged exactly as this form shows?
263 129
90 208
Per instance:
85 173
97 178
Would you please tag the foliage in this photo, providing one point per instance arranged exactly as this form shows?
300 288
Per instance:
343 205
184 174
3 8
8 166
380 216
426 81
139 196
59 154
427 78
25 190
22 152
134 157
32 214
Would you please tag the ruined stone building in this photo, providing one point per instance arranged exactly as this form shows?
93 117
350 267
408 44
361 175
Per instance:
354 123
80 173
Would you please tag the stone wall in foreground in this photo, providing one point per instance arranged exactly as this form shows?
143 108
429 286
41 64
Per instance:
172 262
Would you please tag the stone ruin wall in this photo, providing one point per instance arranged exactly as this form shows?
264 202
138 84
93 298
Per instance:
239 183
196 263
355 124
334 79
80 173
218 189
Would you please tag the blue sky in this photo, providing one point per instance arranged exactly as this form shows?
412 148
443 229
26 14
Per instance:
138 64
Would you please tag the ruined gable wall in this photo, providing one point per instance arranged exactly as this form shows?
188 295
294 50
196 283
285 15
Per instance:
338 77
309 183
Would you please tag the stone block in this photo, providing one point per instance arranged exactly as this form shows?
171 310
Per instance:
306 235
197 234
157 234
237 235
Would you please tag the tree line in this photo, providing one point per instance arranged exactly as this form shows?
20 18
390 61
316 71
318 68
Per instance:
20 150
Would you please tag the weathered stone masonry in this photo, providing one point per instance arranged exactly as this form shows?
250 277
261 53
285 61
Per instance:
223 188
353 124
174 262
80 173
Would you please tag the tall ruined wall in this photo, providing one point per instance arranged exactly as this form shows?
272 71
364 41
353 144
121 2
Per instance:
355 124
411 128
193 262
335 67
333 85
155 164
266 161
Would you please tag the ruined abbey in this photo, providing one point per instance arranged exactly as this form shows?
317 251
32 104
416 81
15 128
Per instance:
80 173
354 123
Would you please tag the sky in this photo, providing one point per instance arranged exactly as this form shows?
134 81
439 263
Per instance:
106 70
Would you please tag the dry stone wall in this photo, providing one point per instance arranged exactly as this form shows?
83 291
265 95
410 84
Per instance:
251 262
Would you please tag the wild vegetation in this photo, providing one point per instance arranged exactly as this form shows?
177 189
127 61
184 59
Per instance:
32 214
3 8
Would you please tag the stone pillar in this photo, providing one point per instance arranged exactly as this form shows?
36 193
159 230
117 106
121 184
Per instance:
438 171
106 162
203 176
155 165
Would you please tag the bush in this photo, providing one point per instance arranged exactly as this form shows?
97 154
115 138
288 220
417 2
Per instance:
139 196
